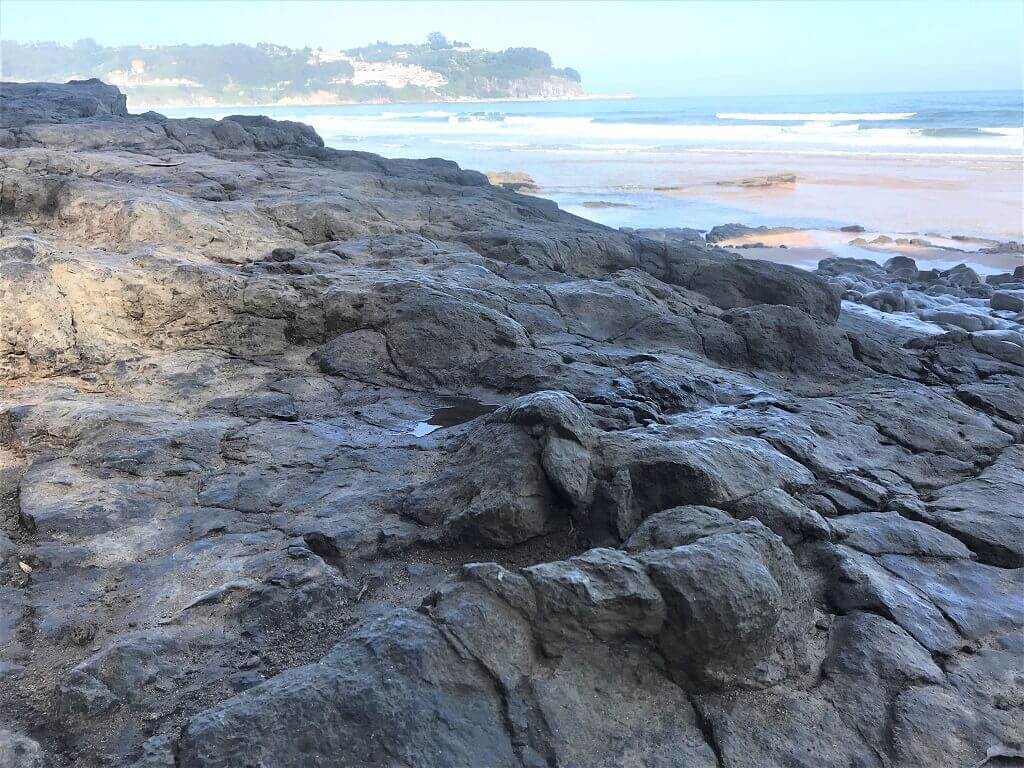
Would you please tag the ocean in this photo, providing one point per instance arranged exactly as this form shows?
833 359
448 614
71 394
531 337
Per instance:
905 163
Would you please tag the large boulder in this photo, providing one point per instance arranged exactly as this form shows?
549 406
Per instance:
781 338
734 600
744 283
642 475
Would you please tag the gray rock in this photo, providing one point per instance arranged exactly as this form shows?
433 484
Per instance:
678 527
394 690
868 662
800 345
983 512
157 752
729 231
602 592
881 533
670 235
969 321
1012 301
785 516
786 728
1004 345
961 275
18 751
312 457
744 283
709 471
517 476
1001 278
902 266
25 103
999 395
731 599
887 300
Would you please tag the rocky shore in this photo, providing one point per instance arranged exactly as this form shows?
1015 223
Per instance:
312 458
955 298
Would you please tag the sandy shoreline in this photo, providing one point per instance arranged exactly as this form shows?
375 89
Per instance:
972 195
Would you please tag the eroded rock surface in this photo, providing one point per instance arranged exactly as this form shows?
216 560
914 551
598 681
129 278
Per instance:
707 518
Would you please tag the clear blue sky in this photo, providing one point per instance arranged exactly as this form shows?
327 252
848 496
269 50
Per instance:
649 48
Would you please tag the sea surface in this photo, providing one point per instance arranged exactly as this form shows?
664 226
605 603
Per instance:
901 162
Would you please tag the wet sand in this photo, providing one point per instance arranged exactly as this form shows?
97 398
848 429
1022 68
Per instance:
806 247
955 194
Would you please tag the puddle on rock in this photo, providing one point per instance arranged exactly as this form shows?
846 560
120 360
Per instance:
457 410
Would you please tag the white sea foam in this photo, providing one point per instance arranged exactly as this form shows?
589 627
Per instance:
1017 133
817 117
900 319
582 133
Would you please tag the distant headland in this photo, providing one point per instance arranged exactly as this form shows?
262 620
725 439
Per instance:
265 74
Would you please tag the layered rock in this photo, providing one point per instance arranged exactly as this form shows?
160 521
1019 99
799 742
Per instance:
710 518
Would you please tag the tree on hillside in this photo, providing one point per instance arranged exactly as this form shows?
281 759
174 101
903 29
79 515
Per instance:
437 41
524 58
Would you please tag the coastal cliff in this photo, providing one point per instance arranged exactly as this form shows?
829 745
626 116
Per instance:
310 457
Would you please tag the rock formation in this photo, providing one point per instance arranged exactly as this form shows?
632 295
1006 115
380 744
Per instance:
709 518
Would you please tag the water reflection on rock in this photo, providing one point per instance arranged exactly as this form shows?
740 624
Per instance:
456 410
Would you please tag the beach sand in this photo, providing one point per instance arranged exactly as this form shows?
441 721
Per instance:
953 194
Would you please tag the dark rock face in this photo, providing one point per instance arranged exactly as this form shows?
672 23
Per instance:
396 689
710 516
24 103
744 283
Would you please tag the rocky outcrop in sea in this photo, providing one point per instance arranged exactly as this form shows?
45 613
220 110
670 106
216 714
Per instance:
311 458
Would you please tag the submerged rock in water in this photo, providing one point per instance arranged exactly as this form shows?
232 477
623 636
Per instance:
731 231
769 180
679 508
669 234
605 204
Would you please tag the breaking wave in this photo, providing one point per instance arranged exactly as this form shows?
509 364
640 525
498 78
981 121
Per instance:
813 117
970 124
589 134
